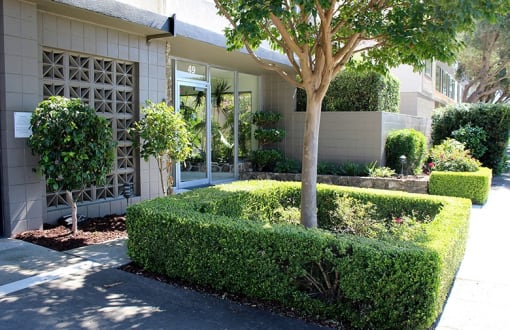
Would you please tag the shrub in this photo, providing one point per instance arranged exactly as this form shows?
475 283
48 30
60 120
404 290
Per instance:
269 135
494 119
205 237
381 172
451 156
266 159
287 166
410 143
473 185
354 90
75 147
265 118
353 169
328 168
473 138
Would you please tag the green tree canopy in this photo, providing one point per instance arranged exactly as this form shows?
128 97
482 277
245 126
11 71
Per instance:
320 37
485 62
74 145
165 136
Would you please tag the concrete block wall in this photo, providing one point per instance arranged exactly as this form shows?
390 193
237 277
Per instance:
68 34
23 191
26 30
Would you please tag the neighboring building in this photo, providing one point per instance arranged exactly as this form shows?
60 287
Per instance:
115 55
422 92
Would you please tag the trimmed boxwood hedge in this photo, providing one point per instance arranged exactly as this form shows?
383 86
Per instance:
354 90
473 185
212 237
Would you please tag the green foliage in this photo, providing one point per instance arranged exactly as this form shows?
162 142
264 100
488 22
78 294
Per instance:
352 216
451 156
212 237
494 119
381 172
328 168
165 136
269 135
410 143
358 91
265 118
353 169
287 165
473 185
266 159
474 139
346 168
484 64
409 35
74 144
163 132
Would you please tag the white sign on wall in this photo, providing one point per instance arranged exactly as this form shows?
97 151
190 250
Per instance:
22 124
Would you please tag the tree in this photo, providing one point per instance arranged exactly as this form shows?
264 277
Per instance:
74 145
485 62
320 37
166 137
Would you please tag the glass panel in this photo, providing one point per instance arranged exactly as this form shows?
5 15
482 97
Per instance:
190 70
248 102
192 105
222 124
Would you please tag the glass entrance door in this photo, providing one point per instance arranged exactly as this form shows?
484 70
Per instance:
192 103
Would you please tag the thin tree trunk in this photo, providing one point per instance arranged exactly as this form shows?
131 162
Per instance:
310 157
169 177
160 167
74 211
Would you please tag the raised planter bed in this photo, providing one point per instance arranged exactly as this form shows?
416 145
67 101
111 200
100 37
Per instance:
410 184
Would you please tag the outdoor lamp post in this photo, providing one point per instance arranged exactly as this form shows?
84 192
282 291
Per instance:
403 160
127 191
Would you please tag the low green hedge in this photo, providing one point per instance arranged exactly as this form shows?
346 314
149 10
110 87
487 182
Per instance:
211 237
473 185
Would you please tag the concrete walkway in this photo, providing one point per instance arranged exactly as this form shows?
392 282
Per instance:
82 289
480 297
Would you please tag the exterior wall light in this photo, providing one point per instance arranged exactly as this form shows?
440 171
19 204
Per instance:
403 160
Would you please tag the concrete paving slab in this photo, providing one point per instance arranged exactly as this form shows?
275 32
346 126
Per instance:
113 299
110 254
479 298
19 260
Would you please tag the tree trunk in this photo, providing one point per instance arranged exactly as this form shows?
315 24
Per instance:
160 167
169 177
74 211
309 166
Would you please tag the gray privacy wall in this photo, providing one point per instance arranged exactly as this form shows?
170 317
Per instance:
350 136
344 136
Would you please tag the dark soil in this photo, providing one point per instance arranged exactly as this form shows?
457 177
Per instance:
90 231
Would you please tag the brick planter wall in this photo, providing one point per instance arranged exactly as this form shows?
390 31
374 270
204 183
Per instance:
410 184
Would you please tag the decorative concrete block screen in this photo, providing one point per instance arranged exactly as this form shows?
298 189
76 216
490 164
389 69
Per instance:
109 86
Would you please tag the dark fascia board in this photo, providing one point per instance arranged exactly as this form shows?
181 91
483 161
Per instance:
125 12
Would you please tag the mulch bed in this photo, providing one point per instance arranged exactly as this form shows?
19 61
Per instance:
90 231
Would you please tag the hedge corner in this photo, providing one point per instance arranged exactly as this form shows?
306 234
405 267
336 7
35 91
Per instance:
473 185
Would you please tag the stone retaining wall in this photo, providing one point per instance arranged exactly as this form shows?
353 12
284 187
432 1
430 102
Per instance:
410 184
